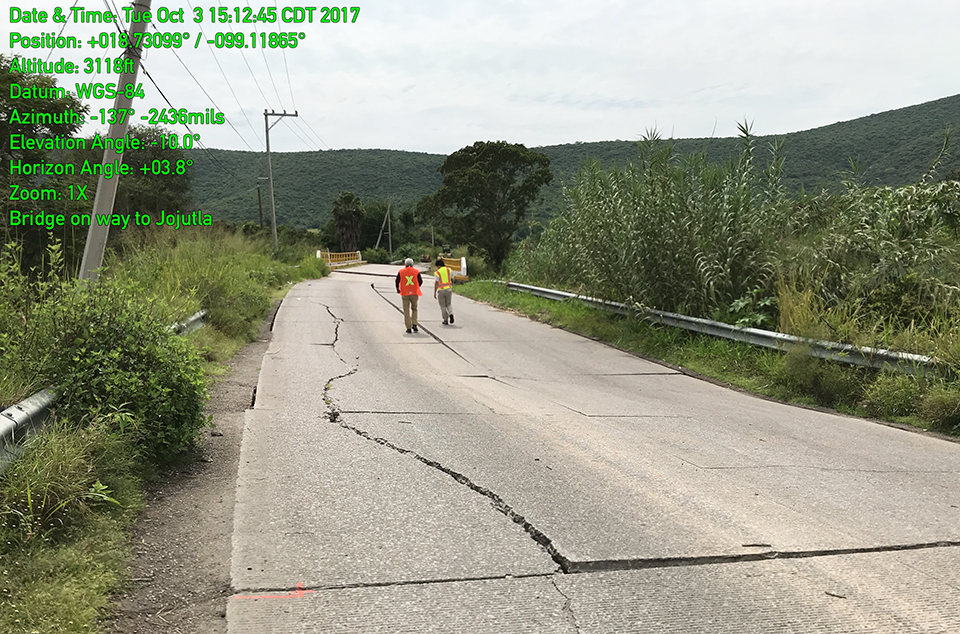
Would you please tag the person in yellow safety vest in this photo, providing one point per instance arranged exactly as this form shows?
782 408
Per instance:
409 281
443 290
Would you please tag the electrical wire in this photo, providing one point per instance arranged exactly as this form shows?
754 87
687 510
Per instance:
289 127
133 51
225 79
230 123
244 57
62 28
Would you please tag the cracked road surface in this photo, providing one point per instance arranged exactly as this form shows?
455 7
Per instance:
501 475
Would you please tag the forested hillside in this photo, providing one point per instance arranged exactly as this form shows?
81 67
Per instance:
892 148
307 183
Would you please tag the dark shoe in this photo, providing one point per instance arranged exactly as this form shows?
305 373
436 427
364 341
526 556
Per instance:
451 318
408 331
445 322
415 328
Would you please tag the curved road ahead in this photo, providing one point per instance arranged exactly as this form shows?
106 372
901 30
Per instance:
501 475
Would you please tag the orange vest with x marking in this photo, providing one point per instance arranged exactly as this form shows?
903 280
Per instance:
408 281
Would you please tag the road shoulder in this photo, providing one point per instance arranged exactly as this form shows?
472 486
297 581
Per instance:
180 572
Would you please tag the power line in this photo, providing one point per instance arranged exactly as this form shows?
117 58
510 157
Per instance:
307 123
62 28
287 70
230 123
232 91
305 142
244 57
147 74
197 136
293 98
263 51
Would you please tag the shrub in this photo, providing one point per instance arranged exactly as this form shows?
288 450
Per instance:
416 251
827 382
64 472
235 304
376 256
108 350
892 395
479 268
941 408
312 267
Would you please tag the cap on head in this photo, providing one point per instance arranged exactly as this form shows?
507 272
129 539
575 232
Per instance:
408 262
439 261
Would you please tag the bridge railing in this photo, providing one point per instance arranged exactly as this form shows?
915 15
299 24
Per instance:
339 259
458 266
902 362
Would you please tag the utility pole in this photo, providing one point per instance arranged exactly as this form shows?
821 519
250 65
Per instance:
266 130
107 187
259 200
386 220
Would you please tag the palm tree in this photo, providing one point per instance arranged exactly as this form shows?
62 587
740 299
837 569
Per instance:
348 215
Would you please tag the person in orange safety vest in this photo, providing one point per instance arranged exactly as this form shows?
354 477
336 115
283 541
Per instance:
409 281
443 290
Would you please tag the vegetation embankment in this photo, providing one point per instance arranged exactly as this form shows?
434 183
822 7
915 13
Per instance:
869 266
131 400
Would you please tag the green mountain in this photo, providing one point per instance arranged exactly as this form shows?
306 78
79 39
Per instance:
892 148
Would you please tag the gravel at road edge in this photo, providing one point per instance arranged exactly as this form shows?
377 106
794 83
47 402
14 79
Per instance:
182 540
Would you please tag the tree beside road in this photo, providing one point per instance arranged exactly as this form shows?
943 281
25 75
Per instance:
486 191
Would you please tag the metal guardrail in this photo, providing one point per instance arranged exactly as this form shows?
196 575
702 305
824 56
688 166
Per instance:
19 422
191 323
902 362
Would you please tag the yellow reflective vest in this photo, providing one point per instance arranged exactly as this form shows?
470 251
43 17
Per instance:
444 278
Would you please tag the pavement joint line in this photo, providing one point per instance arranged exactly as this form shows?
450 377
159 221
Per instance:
380 584
636 374
364 273
422 327
367 411
610 565
585 415
485 376
813 468
586 567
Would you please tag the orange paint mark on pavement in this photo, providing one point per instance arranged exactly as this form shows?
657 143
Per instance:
299 593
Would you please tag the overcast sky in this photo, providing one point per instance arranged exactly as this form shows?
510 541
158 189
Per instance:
436 76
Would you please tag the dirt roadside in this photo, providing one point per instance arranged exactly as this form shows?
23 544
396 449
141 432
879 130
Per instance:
180 573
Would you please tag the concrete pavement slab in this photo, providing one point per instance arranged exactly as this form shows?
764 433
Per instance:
320 505
608 456
824 594
588 510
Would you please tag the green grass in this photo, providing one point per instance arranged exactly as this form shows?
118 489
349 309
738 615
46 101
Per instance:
65 504
796 377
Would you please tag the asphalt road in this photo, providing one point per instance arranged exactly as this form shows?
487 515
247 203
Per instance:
501 475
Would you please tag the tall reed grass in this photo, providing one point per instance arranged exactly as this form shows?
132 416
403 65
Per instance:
869 266
669 231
